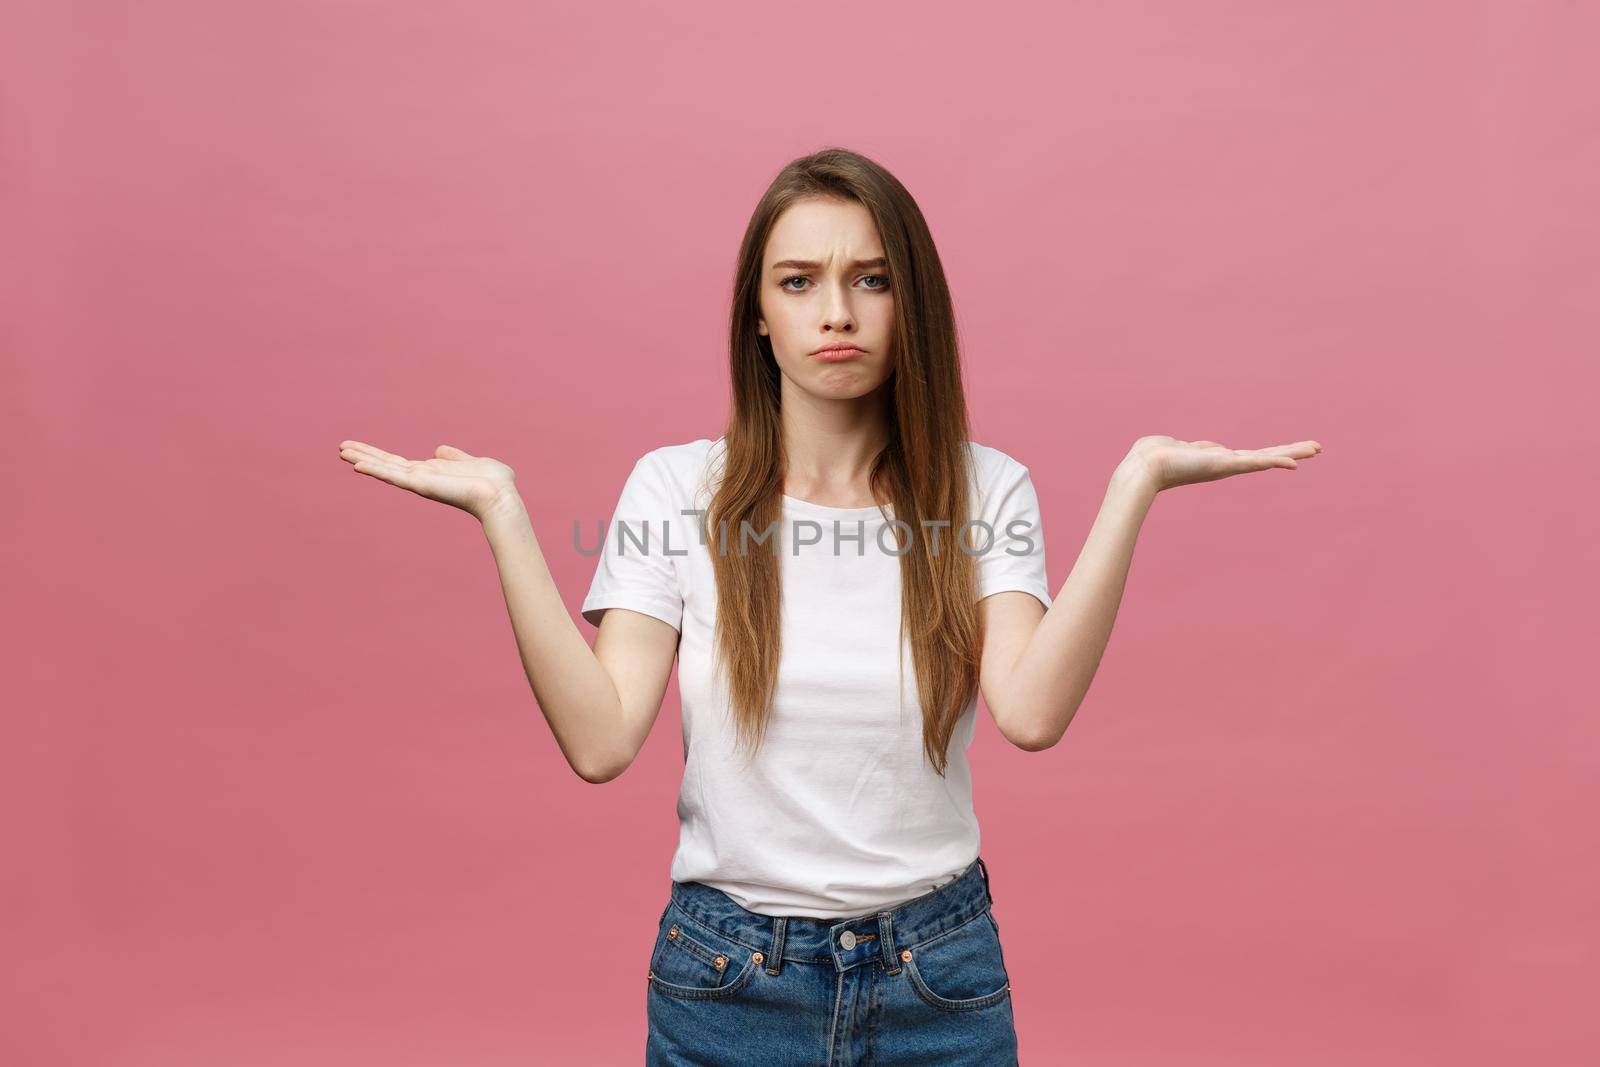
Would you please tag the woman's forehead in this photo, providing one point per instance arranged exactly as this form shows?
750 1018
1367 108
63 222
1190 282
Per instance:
824 233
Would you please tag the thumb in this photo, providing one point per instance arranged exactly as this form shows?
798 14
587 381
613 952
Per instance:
452 452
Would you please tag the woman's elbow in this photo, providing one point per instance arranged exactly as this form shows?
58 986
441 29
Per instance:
1031 733
599 774
601 767
1034 742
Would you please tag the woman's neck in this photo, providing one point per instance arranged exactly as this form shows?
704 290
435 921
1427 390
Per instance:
830 450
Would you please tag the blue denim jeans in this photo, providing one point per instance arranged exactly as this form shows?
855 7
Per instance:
923 984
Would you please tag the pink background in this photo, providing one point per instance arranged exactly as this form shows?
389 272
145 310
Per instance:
274 788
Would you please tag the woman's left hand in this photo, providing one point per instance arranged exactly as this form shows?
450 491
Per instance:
1168 462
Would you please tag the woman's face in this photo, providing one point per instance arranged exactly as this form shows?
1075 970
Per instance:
824 282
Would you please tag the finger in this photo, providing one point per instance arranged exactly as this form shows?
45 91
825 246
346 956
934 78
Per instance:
361 448
355 455
392 473
452 452
1299 450
1260 459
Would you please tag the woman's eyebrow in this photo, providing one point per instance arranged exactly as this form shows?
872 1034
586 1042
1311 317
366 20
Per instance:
811 264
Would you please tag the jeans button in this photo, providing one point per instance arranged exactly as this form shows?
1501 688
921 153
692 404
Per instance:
848 939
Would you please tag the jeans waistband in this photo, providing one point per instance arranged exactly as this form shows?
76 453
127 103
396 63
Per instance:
848 942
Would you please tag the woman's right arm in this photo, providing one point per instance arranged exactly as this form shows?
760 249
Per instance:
600 702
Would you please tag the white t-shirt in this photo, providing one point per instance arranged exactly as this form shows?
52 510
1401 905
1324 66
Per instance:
840 813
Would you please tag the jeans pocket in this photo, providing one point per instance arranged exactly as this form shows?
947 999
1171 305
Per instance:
961 969
693 962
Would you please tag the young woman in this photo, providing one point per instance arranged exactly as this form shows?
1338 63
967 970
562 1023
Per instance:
838 574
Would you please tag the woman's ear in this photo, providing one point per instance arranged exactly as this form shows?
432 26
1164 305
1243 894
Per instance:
761 326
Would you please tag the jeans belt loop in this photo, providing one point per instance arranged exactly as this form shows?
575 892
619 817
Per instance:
891 958
780 926
983 869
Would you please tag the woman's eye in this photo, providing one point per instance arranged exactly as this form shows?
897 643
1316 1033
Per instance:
883 282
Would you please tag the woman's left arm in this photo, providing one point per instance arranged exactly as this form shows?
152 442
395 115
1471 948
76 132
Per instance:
1037 663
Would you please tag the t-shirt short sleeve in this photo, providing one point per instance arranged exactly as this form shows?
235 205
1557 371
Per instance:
635 569
1015 558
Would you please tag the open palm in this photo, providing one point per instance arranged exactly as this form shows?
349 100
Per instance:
460 479
1172 462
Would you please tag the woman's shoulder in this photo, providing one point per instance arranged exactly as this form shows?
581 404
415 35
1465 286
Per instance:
1001 481
990 463
685 457
682 468
682 453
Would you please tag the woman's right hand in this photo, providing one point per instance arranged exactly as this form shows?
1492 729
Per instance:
475 484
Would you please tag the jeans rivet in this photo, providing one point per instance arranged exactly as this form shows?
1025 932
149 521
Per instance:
905 955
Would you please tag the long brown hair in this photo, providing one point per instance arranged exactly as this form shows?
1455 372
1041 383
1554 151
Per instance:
924 471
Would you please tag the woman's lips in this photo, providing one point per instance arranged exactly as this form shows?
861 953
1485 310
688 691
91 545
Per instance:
837 355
